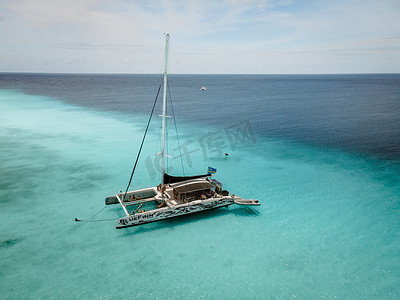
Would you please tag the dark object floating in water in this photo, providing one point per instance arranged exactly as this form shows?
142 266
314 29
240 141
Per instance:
10 242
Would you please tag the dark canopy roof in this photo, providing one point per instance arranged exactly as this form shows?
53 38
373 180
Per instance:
172 179
191 186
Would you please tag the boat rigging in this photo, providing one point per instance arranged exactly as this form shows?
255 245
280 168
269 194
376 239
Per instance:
175 195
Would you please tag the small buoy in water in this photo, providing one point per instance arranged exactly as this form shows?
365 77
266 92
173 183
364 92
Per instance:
226 154
77 220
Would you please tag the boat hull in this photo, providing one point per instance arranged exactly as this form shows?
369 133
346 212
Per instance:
174 211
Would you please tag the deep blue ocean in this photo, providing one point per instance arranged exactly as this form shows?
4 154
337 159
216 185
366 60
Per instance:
320 152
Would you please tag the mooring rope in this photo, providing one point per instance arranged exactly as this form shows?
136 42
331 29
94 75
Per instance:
91 219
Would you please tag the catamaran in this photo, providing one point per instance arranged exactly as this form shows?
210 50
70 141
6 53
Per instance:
175 195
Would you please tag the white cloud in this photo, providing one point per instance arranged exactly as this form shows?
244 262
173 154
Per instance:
245 36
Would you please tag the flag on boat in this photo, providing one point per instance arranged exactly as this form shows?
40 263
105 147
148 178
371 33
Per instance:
211 170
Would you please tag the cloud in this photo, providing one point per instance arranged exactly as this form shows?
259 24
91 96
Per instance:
211 36
46 13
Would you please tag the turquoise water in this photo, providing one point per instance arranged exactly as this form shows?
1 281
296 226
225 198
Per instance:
328 226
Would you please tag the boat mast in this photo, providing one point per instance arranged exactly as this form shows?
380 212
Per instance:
163 113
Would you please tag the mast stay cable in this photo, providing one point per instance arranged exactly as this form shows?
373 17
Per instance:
176 130
144 137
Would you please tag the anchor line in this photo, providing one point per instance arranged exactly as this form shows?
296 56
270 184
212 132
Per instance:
90 220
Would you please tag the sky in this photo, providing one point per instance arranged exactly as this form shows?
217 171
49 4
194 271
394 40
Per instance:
207 36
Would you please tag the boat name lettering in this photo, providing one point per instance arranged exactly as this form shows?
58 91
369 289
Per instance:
136 218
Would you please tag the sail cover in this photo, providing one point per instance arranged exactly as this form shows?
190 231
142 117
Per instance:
172 179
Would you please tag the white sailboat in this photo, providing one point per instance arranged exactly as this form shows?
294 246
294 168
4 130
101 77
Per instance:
174 196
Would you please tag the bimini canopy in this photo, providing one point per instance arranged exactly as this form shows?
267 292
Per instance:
172 179
191 186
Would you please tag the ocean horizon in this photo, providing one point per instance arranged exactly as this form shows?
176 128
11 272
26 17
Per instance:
320 152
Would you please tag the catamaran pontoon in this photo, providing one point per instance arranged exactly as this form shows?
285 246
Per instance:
174 196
